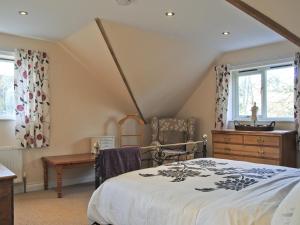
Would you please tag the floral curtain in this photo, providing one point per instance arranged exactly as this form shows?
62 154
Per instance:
297 95
32 98
222 92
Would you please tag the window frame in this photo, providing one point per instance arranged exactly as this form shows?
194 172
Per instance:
7 56
248 71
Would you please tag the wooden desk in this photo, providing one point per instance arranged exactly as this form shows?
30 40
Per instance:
6 196
62 161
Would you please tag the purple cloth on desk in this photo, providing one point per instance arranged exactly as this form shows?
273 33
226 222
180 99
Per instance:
113 162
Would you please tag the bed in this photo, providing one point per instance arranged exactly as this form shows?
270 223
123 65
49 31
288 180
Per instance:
206 191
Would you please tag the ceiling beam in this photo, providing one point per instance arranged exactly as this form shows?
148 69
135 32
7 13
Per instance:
111 50
266 20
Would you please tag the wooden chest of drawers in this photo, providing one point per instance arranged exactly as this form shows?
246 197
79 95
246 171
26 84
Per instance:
6 196
268 147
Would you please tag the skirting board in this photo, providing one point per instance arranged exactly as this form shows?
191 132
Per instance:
18 188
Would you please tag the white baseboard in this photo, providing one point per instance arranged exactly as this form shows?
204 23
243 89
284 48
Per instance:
18 188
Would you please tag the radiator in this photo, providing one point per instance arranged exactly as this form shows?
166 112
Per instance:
12 158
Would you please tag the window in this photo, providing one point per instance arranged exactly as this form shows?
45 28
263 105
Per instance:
270 87
6 88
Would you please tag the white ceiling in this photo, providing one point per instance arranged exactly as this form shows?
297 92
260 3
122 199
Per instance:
201 21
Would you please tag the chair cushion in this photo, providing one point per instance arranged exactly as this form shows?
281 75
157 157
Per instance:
172 137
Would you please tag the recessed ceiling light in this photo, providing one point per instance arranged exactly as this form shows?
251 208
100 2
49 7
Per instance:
124 2
169 13
23 13
226 33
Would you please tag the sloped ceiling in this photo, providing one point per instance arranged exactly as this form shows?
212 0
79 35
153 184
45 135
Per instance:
286 12
163 58
89 49
161 71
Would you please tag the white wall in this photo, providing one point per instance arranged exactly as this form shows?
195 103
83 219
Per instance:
81 107
201 104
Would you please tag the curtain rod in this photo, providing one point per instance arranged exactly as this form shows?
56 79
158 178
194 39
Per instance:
7 52
7 55
6 59
261 63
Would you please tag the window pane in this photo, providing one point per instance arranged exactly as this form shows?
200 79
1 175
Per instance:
6 88
249 91
280 93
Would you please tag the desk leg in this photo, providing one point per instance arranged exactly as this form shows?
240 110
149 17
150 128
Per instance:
45 166
59 173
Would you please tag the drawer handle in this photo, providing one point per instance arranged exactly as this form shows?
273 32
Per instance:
227 139
261 151
227 149
260 140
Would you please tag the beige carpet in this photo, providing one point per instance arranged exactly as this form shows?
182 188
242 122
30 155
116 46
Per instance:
43 208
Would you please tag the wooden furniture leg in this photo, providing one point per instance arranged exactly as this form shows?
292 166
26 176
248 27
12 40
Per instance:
45 166
59 173
59 162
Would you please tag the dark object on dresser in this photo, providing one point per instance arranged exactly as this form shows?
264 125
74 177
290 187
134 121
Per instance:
6 196
113 162
248 127
276 147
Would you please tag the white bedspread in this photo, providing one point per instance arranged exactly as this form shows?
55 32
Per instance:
197 192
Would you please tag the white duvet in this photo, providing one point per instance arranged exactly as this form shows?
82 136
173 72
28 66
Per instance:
206 192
